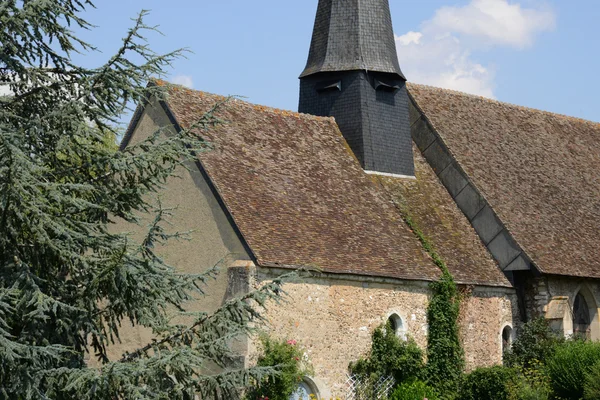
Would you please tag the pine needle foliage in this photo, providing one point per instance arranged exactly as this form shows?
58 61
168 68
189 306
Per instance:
67 280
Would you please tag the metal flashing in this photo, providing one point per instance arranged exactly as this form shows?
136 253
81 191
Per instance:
391 175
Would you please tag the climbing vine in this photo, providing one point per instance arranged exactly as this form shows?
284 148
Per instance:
445 356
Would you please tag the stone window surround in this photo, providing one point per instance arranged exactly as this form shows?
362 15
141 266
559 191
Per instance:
317 387
512 337
558 307
592 304
401 327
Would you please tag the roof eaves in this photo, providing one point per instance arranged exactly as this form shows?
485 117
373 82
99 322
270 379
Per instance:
355 273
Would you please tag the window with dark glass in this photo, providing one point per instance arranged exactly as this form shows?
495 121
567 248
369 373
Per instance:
581 317
506 338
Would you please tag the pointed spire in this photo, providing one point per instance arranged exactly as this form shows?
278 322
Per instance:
352 35
353 75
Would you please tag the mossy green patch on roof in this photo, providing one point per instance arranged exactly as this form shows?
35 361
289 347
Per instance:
296 193
432 209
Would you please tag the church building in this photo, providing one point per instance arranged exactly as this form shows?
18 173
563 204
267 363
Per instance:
508 196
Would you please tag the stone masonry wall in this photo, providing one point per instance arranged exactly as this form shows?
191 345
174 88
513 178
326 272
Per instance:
484 314
553 298
333 319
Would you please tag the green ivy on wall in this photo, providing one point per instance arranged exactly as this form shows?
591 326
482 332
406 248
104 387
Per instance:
445 356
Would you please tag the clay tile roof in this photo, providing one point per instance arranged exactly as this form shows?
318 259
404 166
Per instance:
297 193
539 171
434 211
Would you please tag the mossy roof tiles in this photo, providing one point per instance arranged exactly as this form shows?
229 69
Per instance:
297 193
434 211
539 171
300 198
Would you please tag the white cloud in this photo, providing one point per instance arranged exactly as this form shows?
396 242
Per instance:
409 38
443 61
494 22
442 53
184 80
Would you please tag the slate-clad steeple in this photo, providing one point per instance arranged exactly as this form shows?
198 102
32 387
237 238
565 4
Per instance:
353 35
353 74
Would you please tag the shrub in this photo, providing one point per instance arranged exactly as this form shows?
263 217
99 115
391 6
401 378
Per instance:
535 343
568 367
592 383
524 390
390 356
487 383
531 384
287 355
415 390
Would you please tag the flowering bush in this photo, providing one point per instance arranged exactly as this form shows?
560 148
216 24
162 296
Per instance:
287 356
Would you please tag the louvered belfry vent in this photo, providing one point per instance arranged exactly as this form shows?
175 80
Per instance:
353 74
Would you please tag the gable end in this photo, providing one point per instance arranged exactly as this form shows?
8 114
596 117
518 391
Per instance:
204 178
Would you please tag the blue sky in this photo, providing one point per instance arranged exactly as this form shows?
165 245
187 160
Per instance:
538 53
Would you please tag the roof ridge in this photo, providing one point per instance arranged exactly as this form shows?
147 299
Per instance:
488 100
240 100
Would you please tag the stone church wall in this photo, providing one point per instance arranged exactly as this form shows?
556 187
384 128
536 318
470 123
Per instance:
553 297
484 315
333 317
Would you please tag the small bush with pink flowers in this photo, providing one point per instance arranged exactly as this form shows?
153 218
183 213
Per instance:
287 356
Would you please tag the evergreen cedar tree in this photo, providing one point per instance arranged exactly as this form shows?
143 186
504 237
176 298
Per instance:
66 279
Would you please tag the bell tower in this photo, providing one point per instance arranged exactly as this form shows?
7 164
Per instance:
353 74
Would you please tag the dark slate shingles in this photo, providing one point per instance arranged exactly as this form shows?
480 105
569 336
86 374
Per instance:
353 35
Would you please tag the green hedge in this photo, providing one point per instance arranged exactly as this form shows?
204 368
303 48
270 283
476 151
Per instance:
568 367
416 390
592 383
487 383
530 384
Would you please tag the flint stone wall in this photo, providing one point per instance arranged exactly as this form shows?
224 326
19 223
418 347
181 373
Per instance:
333 318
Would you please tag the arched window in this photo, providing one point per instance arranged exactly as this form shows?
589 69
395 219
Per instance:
581 318
397 325
506 338
305 389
